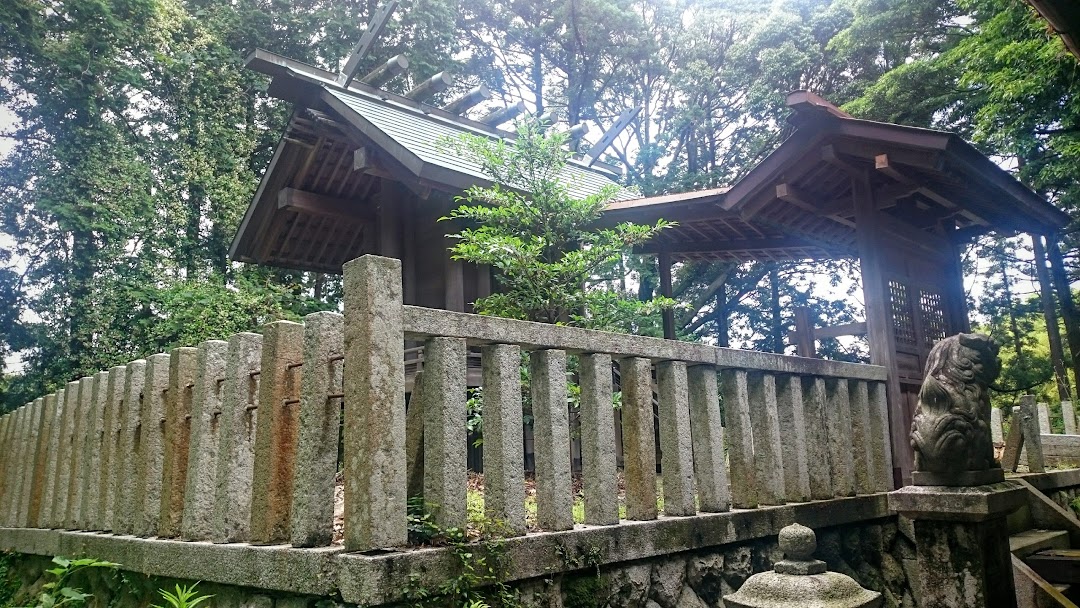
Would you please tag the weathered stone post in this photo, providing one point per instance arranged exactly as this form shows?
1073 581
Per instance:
444 441
960 498
598 440
374 389
1068 415
312 511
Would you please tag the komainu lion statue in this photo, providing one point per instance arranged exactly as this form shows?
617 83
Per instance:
951 430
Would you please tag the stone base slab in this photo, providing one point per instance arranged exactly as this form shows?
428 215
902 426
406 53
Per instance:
384 578
960 479
961 504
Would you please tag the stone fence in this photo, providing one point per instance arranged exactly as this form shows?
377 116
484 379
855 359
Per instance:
222 459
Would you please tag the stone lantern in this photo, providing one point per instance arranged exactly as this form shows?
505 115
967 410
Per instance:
800 581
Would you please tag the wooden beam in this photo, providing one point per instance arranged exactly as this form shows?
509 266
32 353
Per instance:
892 192
844 205
436 84
361 159
791 193
725 245
835 331
624 120
478 94
311 203
797 196
831 156
386 72
928 160
791 173
883 164
501 115
374 27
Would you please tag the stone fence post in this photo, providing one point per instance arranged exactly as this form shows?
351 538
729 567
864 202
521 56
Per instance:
374 389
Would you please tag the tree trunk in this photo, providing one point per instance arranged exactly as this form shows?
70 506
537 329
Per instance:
1068 306
1053 333
1018 343
774 305
722 318
538 77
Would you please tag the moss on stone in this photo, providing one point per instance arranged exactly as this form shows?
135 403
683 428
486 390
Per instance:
585 591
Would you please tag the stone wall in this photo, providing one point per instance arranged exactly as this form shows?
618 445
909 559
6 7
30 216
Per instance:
876 554
879 554
1064 497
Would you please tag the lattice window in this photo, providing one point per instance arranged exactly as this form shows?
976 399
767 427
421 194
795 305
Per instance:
931 317
903 324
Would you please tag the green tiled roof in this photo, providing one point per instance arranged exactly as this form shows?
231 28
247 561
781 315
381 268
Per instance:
424 136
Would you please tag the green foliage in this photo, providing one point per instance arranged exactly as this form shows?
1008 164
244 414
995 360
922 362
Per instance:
186 596
9 582
549 257
421 527
58 592
138 141
480 565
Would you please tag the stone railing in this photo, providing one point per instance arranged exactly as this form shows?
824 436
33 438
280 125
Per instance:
238 441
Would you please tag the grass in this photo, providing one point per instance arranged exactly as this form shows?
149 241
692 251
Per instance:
475 503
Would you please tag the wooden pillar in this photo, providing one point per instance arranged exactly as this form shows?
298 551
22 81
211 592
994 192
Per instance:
955 299
879 325
664 260
408 258
804 333
389 221
455 285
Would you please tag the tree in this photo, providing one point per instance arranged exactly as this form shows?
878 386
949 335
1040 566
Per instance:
139 142
551 262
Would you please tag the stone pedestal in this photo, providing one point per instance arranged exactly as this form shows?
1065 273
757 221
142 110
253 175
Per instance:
962 542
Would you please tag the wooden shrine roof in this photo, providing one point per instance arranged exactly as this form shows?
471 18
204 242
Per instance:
314 208
1064 17
797 203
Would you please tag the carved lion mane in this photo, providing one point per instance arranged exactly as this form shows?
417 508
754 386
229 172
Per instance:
951 430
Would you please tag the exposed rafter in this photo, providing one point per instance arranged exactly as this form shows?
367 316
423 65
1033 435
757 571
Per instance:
831 156
884 165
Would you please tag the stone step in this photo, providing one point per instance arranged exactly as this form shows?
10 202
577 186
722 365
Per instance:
1023 544
1058 566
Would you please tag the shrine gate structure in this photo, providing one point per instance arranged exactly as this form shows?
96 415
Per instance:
361 170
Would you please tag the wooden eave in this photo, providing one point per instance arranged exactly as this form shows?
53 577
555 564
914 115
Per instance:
1064 17
315 208
311 210
798 202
